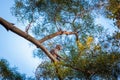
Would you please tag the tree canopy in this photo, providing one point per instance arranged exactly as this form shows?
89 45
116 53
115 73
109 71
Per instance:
89 52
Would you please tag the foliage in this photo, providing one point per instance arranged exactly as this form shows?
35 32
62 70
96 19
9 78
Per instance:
68 15
87 44
101 65
9 73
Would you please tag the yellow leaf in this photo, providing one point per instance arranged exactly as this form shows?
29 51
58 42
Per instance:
89 41
80 45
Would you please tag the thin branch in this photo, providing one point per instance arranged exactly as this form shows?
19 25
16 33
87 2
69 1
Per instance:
28 27
9 26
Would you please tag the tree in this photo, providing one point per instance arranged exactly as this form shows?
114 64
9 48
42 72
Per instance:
9 73
50 20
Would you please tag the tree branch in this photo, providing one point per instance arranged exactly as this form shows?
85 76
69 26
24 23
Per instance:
50 36
56 34
9 26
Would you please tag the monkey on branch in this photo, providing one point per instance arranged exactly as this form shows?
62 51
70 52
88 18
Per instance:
54 52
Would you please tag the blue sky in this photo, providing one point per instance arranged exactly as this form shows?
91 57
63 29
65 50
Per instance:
14 48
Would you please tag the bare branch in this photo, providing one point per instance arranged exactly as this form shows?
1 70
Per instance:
50 36
57 34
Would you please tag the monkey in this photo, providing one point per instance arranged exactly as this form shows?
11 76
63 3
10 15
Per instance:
54 52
